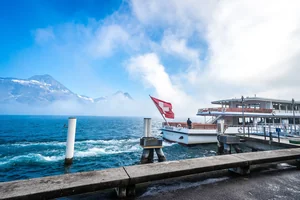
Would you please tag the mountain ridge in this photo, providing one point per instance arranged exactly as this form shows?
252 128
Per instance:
44 89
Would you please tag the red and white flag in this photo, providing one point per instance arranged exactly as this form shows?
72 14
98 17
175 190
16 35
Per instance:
165 108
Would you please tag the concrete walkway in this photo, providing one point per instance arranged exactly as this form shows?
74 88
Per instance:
282 140
265 183
269 181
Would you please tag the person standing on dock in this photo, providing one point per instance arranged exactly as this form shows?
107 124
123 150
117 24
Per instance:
189 123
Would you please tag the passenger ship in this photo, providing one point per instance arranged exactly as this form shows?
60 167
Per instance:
261 115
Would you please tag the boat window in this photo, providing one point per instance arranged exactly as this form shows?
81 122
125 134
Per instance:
247 120
277 120
282 107
276 106
269 120
240 120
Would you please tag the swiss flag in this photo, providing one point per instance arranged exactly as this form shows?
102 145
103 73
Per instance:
165 108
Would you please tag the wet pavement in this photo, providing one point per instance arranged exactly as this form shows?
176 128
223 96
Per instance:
271 181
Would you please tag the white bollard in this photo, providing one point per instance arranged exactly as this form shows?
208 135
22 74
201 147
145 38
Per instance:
147 127
70 140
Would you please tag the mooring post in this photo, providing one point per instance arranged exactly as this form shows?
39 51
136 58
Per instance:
147 156
70 140
147 127
160 155
150 143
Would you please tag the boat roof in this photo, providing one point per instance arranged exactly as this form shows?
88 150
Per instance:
253 100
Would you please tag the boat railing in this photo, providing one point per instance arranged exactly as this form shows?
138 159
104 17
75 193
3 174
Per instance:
270 128
249 128
194 125
286 111
251 110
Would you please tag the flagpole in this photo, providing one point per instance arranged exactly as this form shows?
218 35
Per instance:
160 112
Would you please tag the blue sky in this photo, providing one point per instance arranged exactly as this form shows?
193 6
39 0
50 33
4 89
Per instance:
51 37
187 52
22 57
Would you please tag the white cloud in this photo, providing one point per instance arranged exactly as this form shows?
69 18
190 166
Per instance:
252 41
178 46
153 74
43 35
252 46
188 14
107 39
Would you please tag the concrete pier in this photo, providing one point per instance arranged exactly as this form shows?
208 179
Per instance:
125 178
64 185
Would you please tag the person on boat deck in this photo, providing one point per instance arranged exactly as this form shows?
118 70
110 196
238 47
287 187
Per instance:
189 123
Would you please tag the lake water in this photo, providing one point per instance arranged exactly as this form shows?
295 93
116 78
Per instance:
34 146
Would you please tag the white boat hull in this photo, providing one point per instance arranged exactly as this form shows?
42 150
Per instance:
192 136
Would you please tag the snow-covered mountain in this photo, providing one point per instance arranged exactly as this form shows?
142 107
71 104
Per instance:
122 95
44 90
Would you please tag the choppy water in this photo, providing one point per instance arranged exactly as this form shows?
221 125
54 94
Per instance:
34 146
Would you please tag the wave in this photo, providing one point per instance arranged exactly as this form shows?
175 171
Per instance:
59 143
32 158
113 141
116 149
27 144
87 148
84 148
168 144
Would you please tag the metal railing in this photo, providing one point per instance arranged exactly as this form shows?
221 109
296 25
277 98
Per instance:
252 110
285 130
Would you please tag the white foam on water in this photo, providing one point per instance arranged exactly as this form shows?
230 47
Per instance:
32 157
97 151
107 142
90 152
27 144
86 148
168 144
53 158
134 148
3 163
159 189
78 143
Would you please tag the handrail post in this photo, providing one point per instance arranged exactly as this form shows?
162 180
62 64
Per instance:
248 131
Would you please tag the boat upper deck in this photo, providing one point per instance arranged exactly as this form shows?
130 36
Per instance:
252 110
254 100
254 106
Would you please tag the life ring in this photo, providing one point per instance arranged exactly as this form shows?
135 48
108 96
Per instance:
179 126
